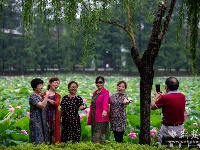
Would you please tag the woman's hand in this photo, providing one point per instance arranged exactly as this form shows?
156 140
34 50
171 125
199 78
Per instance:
104 114
50 101
126 101
82 107
47 93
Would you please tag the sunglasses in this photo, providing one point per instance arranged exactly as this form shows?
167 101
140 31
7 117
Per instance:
100 82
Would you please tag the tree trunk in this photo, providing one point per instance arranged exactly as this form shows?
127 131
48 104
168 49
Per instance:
146 82
145 68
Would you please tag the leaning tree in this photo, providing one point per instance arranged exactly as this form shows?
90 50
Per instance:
86 16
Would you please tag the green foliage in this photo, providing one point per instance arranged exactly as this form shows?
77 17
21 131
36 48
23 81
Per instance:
85 130
87 146
3 112
192 15
19 137
22 124
155 120
15 122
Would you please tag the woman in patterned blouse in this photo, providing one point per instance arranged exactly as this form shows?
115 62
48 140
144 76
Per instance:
38 124
118 103
70 105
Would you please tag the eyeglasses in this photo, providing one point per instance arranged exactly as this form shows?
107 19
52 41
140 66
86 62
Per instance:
100 82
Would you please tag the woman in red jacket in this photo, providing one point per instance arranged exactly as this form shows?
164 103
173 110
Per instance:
98 116
52 113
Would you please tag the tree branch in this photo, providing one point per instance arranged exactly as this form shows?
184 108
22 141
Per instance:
123 27
154 43
129 31
167 19
88 9
134 49
135 56
157 22
129 19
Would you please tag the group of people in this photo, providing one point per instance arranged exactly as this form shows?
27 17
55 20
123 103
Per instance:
105 109
44 113
49 125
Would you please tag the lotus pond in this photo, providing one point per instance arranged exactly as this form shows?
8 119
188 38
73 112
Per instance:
14 106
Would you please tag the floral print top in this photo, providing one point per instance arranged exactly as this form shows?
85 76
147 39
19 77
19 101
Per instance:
38 124
118 112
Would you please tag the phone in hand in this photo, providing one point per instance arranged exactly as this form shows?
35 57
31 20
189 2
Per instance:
157 88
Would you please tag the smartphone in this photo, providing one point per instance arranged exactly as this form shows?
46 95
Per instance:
157 88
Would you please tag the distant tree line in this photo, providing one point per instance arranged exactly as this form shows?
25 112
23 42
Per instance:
55 47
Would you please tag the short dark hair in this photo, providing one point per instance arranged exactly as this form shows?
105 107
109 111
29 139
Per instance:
71 82
122 82
35 82
100 77
172 83
52 80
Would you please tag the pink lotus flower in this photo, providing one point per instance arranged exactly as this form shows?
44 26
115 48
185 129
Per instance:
19 107
132 135
28 114
84 100
11 109
153 132
24 132
185 116
195 124
87 110
82 115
